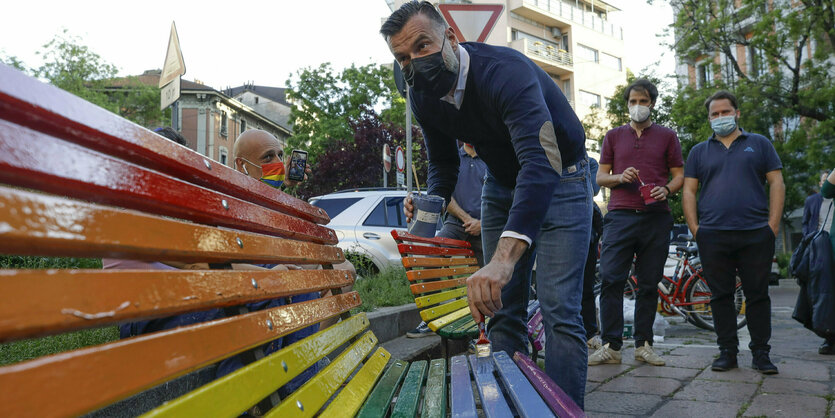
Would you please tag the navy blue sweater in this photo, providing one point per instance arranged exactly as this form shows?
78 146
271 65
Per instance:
520 124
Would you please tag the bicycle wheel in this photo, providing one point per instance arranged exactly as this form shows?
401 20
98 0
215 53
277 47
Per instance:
698 303
630 289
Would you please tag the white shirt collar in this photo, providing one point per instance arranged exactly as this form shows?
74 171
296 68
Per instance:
456 97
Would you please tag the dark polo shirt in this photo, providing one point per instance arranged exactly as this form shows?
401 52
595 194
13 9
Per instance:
468 188
652 154
732 194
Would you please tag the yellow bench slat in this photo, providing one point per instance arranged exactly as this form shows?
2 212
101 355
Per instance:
438 310
425 301
306 401
243 388
446 320
353 395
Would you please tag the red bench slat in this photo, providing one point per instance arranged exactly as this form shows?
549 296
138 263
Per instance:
399 235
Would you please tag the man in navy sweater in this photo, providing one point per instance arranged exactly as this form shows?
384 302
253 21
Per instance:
536 198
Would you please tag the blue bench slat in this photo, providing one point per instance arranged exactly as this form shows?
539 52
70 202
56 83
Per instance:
462 403
526 399
493 402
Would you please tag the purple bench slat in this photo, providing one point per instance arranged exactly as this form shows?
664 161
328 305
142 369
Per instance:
462 403
527 401
556 399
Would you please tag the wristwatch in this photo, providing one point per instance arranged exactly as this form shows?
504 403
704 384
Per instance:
668 190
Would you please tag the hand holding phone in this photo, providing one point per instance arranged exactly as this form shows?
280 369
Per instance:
298 164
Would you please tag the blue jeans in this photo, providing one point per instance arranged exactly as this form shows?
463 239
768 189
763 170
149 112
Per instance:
562 246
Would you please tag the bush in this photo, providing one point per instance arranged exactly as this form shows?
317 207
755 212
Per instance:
390 287
32 262
18 351
783 261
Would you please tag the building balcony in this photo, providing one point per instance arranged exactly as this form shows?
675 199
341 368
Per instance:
560 14
554 61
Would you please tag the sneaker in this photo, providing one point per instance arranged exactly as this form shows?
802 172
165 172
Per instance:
725 362
827 348
762 363
647 355
421 331
605 355
594 343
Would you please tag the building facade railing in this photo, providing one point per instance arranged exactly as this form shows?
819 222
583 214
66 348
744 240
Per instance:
550 52
575 14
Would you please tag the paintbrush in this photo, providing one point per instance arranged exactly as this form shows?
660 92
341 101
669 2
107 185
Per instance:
482 345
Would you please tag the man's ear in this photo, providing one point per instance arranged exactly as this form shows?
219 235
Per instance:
240 166
452 37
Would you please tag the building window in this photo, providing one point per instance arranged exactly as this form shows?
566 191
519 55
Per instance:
589 99
611 61
224 120
755 62
566 89
704 74
223 155
588 54
243 125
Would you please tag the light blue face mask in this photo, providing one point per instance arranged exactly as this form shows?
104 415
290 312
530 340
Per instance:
723 125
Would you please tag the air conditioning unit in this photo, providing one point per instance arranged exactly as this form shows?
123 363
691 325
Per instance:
556 32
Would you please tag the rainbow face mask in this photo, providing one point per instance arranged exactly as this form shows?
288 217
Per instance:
273 174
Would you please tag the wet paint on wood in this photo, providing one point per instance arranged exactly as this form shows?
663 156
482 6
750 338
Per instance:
525 398
448 319
438 310
400 235
353 395
461 399
493 402
26 101
426 250
425 274
379 402
425 287
83 380
238 391
409 396
434 398
36 224
425 301
553 395
410 262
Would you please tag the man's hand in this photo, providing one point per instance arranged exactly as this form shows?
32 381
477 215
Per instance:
659 193
629 175
408 208
473 227
484 288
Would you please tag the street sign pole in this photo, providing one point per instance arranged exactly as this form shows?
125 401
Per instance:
408 141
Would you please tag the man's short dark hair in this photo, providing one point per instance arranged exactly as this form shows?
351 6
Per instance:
171 134
641 85
719 95
398 19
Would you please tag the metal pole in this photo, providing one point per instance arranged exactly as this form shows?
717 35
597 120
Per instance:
408 141
385 178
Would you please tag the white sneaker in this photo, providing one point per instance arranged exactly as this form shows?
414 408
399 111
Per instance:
646 354
605 355
594 343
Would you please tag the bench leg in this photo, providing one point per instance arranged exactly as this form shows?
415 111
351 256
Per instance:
445 348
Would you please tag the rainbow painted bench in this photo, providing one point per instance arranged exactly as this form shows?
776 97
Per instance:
76 180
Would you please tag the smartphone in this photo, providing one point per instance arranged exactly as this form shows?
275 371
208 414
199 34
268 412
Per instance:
298 163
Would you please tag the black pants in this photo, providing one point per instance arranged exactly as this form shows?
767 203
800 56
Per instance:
726 254
646 238
588 310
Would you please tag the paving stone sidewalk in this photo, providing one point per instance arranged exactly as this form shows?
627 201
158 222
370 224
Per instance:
687 387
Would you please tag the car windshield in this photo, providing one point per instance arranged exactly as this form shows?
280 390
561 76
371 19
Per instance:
335 206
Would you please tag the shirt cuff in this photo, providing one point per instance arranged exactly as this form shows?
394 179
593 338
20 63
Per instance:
511 234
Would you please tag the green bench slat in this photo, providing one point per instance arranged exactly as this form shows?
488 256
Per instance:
434 398
407 401
378 402
460 329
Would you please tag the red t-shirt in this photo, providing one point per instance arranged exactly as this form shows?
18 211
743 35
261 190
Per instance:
652 155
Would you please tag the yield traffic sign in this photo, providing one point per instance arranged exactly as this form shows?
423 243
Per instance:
472 22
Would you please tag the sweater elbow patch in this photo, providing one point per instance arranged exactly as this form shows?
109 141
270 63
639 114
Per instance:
548 140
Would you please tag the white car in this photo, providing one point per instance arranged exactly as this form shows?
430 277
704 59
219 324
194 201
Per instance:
363 220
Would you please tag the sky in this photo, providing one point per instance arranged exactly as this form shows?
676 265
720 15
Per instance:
232 42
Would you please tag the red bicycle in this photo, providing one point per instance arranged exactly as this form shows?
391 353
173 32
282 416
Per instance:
687 293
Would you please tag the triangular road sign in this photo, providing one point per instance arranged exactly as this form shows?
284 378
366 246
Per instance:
472 22
174 65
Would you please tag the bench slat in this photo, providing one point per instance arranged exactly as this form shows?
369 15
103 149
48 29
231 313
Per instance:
83 380
407 400
525 398
353 395
492 401
379 401
26 101
427 250
236 392
114 182
448 319
438 310
426 301
48 302
308 399
425 287
424 274
401 235
553 395
461 400
71 228
434 398
463 328
410 262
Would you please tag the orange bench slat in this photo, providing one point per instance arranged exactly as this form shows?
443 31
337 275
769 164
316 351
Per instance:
429 250
425 287
410 262
426 274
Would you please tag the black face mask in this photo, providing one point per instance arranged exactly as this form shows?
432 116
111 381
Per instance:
429 75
